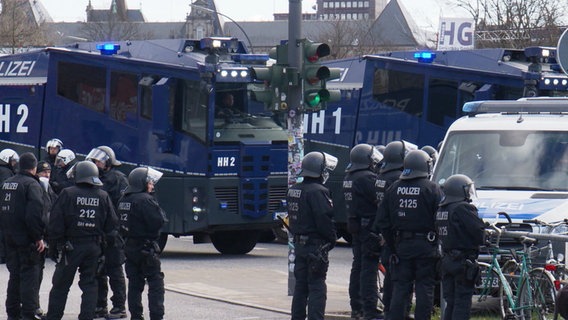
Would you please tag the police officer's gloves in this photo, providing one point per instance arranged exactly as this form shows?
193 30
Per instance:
353 225
52 250
374 244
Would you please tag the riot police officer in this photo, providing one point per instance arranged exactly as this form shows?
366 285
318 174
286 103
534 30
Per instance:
432 152
389 172
8 162
141 220
310 210
114 182
23 228
61 178
52 148
461 234
80 218
407 216
359 190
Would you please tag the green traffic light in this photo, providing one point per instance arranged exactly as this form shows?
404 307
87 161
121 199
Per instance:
313 99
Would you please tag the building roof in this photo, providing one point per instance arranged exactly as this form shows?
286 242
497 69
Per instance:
396 27
393 28
34 10
100 15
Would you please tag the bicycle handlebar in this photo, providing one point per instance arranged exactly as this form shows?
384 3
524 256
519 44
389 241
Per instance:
547 224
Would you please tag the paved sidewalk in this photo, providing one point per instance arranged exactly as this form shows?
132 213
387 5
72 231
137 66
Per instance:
254 287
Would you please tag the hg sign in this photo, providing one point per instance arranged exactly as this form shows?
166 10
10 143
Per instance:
456 34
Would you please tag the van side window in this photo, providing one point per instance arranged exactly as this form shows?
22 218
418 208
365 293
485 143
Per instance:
401 90
123 96
82 84
191 109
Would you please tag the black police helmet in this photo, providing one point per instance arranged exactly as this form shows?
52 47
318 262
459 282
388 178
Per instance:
417 164
318 164
363 156
432 152
139 178
457 187
87 172
393 156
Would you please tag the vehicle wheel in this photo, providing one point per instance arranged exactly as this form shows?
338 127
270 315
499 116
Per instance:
543 293
235 242
162 241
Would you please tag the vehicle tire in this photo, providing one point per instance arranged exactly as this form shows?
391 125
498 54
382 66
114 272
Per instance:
162 241
235 242
543 293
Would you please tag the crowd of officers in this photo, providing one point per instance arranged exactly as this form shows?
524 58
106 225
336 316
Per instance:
87 216
421 232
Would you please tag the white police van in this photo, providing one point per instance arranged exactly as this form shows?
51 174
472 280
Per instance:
516 152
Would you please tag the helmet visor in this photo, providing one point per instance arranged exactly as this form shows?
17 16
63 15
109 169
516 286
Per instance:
153 176
470 192
71 172
97 154
54 143
376 156
330 162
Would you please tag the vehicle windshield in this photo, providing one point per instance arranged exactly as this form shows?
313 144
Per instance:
507 160
239 117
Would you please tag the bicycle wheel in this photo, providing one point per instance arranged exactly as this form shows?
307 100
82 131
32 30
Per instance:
543 293
525 309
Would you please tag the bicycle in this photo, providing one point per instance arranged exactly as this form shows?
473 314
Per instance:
523 293
554 263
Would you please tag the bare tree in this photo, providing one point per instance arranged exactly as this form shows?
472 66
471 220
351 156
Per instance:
346 38
515 23
18 28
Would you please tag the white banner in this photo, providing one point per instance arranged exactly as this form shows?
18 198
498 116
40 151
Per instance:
456 34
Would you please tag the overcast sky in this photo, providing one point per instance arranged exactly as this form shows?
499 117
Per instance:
426 13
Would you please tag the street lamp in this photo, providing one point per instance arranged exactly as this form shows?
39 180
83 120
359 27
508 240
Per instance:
226 16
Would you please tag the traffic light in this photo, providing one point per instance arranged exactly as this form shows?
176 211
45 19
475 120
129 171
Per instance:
273 90
315 76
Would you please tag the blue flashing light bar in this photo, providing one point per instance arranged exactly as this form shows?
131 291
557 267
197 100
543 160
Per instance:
108 49
424 56
523 105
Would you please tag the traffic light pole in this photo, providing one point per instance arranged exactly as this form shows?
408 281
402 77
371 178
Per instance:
295 116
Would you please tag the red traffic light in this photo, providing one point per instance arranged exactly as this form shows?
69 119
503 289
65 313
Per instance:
314 51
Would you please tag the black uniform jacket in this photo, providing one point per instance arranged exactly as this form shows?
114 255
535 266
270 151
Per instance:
310 210
140 216
22 209
82 211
